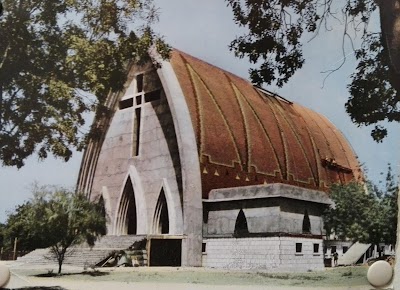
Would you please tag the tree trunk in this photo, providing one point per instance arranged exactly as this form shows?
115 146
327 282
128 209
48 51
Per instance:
59 266
60 260
390 26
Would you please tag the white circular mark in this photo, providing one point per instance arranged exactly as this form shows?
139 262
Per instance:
380 274
4 275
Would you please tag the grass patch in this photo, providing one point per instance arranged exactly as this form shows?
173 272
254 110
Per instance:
347 274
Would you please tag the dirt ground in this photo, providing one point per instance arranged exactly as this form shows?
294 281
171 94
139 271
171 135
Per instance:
30 277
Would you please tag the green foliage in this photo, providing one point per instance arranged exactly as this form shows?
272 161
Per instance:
275 32
350 215
364 216
53 54
2 229
373 99
58 219
390 207
18 226
276 28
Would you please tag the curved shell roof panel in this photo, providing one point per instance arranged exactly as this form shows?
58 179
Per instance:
246 136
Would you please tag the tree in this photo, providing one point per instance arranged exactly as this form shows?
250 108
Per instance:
351 214
274 42
390 206
2 226
360 216
60 59
58 219
17 226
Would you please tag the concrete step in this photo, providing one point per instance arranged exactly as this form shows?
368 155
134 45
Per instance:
38 256
83 255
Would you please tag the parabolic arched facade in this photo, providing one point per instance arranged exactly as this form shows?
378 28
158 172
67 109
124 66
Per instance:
195 157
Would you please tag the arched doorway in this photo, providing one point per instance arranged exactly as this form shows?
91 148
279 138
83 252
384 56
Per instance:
167 250
161 218
241 227
127 214
306 223
102 206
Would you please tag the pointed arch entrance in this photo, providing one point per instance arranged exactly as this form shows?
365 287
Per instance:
102 207
161 216
241 227
306 223
127 222
167 250
105 202
131 214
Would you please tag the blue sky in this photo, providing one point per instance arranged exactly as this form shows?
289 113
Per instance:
205 31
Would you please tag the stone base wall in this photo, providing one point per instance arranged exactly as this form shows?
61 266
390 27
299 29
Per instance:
268 253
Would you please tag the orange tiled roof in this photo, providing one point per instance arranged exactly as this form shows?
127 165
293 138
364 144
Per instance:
246 136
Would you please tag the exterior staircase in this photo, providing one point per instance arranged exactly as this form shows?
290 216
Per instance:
354 254
83 255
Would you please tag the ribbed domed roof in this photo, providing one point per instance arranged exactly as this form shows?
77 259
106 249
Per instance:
248 136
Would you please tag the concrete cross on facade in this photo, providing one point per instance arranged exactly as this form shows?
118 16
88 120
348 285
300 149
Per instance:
147 88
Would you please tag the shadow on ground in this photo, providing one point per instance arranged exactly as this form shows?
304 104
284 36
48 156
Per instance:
86 273
37 288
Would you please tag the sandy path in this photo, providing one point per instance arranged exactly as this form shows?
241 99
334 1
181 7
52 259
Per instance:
22 280
18 282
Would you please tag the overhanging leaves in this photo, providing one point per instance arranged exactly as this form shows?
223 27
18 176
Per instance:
275 31
53 55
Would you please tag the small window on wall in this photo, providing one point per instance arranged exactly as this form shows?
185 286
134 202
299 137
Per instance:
299 247
136 131
125 104
151 81
138 100
152 96
203 247
139 83
316 248
333 249
345 249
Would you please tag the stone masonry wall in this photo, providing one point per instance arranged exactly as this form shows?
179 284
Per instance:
268 253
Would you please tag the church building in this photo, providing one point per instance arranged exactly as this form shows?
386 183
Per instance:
212 171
